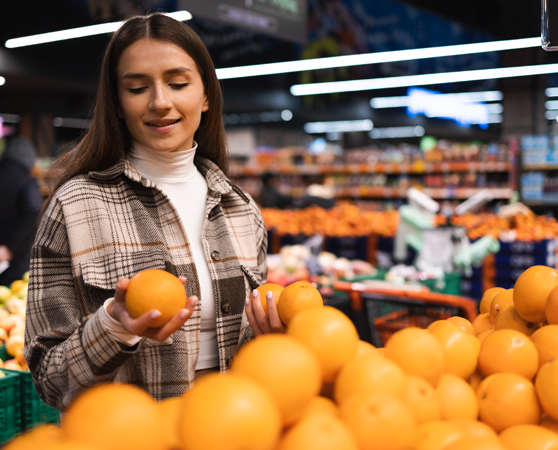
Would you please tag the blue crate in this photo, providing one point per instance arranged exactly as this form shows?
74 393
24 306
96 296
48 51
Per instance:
544 248
523 261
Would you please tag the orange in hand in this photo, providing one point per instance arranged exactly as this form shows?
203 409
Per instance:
296 297
155 289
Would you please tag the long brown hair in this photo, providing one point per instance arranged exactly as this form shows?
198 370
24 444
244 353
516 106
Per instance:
108 139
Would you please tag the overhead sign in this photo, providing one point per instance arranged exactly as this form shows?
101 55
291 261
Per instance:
447 106
284 19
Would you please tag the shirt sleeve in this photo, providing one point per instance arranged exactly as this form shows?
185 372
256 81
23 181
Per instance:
67 348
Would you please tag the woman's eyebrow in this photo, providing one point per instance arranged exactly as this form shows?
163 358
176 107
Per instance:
166 72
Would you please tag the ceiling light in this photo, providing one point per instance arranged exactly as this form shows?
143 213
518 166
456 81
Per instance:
73 33
551 104
341 126
66 122
396 132
2 81
551 115
551 92
286 115
421 80
10 118
375 58
404 100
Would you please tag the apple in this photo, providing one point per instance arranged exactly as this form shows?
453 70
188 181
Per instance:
5 293
11 364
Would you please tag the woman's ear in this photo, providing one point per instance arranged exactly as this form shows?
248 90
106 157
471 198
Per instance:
205 105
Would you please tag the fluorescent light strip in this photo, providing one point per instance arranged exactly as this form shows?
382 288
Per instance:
551 115
551 92
73 33
341 126
2 81
551 104
396 132
421 80
403 101
374 58
10 118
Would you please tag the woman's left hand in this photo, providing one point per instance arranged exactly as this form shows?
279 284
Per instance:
259 321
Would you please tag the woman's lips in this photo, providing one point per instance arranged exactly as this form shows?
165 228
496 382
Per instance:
162 126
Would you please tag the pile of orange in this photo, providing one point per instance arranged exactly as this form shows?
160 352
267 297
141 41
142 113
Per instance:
486 385
342 220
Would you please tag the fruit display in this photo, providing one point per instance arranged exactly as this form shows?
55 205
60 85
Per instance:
455 385
12 322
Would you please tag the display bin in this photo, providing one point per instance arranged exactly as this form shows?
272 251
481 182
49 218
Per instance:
32 409
387 310
4 353
10 406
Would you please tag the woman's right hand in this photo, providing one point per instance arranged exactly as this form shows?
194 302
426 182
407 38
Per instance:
142 326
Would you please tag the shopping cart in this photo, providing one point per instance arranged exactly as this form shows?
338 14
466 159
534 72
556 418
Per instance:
388 308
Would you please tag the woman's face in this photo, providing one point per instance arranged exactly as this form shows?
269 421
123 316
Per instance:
161 95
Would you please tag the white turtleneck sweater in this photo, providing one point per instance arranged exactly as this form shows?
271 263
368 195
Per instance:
177 176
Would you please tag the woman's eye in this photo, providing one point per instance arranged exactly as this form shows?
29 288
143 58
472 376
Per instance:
136 90
178 86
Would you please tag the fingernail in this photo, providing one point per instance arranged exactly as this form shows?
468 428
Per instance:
269 295
155 314
193 302
183 314
255 293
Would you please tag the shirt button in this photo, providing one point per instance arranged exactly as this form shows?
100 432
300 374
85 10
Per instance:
226 307
216 255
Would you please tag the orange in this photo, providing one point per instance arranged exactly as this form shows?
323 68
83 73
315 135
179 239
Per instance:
483 335
464 324
475 380
551 307
116 416
369 373
482 323
323 432
487 297
422 400
418 352
545 384
276 289
320 405
461 350
468 443
474 429
296 297
248 417
507 399
437 435
379 421
531 291
170 410
288 369
549 423
155 289
457 398
532 437
365 348
509 319
499 302
508 351
546 342
330 335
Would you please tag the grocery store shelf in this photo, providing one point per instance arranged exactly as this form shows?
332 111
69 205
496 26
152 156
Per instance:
544 201
417 167
540 167
444 193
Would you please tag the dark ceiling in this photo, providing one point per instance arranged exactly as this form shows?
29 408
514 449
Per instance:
60 77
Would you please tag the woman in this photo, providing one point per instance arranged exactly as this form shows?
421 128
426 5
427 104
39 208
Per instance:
145 188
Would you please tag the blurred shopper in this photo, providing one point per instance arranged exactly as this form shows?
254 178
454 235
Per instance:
146 188
270 197
20 203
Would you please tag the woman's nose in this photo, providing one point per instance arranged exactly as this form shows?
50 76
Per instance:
160 99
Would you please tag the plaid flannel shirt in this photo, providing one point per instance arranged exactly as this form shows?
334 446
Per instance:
107 225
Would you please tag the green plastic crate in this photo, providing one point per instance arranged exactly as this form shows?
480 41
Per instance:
4 353
451 284
10 406
33 410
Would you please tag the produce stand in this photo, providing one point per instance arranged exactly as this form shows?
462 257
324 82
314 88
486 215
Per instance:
387 308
